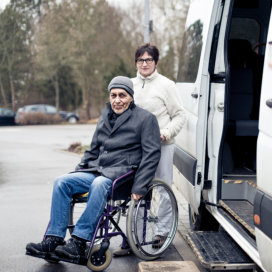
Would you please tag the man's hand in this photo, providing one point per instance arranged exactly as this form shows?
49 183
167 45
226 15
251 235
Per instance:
136 197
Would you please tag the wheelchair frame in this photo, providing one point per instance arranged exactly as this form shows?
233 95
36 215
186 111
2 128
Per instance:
98 257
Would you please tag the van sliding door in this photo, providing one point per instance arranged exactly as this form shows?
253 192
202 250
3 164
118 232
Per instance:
193 84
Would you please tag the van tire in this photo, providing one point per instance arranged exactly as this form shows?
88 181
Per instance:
203 220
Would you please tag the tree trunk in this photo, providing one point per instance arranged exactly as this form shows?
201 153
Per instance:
12 89
56 83
88 110
85 103
5 103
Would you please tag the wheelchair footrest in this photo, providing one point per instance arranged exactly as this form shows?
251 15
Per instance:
52 257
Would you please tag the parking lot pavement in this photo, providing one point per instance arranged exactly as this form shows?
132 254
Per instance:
183 223
179 242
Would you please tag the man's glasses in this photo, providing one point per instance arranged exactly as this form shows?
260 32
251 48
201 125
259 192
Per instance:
147 61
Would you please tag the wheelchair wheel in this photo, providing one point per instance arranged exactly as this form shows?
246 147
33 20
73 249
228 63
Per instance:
152 221
96 263
77 208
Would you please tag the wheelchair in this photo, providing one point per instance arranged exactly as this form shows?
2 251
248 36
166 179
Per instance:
144 220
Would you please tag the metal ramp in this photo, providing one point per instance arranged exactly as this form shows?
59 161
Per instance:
217 251
242 211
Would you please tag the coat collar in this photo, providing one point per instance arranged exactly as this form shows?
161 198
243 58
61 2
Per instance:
120 120
149 78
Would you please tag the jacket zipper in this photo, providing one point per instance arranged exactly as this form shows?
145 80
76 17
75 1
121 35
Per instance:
143 84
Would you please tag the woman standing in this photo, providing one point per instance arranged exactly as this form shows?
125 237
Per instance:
158 94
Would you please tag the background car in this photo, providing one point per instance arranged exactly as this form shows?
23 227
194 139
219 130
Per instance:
70 117
7 117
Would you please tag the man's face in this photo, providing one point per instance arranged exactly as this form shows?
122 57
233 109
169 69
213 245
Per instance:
119 100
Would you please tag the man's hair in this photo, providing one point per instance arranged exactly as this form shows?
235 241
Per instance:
152 50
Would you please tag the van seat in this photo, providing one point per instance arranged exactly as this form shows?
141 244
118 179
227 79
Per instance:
241 93
246 128
241 62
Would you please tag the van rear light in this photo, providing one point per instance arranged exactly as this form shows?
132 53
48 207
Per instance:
257 219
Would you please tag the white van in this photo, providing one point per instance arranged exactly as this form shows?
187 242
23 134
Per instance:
223 156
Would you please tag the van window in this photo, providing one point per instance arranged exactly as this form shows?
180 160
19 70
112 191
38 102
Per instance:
190 53
246 4
51 109
195 35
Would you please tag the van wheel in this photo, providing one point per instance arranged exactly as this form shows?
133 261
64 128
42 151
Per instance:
203 220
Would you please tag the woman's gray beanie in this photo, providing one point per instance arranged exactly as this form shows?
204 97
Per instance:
122 82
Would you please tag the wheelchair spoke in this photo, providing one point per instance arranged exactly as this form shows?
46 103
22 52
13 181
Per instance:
153 222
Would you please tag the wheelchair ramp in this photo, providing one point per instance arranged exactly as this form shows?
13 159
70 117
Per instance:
217 251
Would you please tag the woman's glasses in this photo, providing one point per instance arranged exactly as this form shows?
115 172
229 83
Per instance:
147 61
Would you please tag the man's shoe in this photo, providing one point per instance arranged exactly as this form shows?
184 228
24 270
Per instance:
74 249
158 241
122 251
48 245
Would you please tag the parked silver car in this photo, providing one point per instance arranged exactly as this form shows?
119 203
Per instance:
70 117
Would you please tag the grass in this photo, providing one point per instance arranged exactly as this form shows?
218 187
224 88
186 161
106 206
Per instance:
77 147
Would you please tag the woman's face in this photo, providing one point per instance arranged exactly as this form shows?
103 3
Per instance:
145 65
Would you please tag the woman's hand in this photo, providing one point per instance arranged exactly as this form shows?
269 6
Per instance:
136 197
163 138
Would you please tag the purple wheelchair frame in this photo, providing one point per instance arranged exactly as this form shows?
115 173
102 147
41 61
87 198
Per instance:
107 217
103 224
102 230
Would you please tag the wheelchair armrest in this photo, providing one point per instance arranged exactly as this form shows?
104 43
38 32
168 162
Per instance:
121 187
118 189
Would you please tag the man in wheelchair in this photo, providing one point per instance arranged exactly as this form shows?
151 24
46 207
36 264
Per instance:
126 137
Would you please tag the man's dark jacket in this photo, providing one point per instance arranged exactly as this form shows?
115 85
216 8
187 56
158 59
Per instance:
132 143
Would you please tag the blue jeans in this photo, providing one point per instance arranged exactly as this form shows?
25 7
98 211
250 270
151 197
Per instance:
76 183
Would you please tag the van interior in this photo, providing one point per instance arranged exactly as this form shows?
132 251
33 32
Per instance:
246 42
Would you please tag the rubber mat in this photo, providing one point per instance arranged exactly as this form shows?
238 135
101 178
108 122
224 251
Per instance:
214 248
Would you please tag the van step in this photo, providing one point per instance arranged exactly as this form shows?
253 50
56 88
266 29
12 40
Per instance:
217 251
242 211
239 188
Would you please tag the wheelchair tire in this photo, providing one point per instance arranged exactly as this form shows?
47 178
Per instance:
77 208
146 219
96 264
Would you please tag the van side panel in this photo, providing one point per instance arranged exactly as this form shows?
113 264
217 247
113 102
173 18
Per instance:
193 85
264 158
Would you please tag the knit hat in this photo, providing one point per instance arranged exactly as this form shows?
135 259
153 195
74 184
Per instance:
122 82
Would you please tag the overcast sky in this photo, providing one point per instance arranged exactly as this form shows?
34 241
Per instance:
118 2
3 3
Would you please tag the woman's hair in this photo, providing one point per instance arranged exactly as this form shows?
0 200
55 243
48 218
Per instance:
152 50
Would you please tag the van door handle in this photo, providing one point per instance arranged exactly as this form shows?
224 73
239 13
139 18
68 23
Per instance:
194 95
269 102
220 107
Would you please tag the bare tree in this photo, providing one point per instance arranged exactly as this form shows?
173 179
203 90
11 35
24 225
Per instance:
168 25
86 35
51 46
15 54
